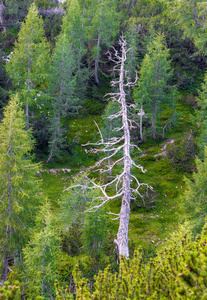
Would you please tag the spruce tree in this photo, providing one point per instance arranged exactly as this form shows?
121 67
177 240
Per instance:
63 99
18 182
67 81
155 72
28 65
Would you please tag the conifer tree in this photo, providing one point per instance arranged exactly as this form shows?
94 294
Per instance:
191 17
28 65
73 204
95 236
18 183
67 81
110 125
155 71
103 29
92 227
195 195
201 112
42 253
63 86
73 28
132 38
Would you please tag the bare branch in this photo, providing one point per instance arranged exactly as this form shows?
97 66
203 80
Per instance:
102 140
138 166
122 182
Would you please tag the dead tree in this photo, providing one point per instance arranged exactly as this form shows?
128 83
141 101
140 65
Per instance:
122 182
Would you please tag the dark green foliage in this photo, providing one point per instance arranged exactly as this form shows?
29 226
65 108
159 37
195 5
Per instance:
182 154
3 84
15 13
87 236
201 112
63 100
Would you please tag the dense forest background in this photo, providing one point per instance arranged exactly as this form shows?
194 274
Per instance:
61 153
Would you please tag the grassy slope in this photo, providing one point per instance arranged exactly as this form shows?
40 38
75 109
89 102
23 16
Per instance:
151 225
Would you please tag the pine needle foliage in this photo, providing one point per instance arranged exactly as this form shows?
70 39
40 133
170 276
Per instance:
195 195
178 272
153 90
18 181
28 65
42 253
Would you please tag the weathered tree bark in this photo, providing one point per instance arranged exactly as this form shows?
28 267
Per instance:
122 236
112 146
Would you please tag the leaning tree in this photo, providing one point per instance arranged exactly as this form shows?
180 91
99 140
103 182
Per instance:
125 184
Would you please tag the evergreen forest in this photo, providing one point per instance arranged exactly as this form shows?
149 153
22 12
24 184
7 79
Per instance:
103 149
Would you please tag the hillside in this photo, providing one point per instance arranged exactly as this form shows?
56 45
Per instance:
102 136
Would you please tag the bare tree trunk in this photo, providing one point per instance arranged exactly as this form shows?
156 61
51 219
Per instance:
112 146
122 236
2 18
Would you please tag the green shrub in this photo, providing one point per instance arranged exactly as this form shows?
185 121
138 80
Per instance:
178 272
